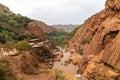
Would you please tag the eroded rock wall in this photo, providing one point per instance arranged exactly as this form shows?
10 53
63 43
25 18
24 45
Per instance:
100 36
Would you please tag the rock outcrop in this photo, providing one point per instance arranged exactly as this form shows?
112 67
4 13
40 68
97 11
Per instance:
99 38
5 10
35 29
46 28
113 5
39 28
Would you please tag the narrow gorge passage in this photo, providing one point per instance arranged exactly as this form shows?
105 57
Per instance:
62 66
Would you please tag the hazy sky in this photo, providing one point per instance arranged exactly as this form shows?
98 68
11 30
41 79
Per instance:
56 11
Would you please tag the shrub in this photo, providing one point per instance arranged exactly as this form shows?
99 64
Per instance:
2 38
4 18
21 19
23 45
59 76
13 22
9 45
29 65
5 71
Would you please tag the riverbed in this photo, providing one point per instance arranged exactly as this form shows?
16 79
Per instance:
60 65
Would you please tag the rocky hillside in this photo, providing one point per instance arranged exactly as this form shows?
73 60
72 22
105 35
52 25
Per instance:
46 28
15 27
65 28
39 28
98 40
24 53
4 9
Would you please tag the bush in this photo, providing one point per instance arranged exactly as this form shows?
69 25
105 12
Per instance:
21 19
23 45
29 65
4 18
9 45
13 22
5 71
2 38
59 76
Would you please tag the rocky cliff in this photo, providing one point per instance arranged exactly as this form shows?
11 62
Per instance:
46 28
98 39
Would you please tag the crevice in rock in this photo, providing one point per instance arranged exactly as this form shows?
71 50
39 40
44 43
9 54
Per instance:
111 67
109 37
94 32
79 50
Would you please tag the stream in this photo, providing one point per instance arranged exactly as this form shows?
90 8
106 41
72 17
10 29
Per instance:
60 65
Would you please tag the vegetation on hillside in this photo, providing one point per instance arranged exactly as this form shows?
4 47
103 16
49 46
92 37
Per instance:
28 61
5 71
29 64
71 34
57 38
60 38
23 45
12 27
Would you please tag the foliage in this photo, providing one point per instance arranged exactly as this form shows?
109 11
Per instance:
9 45
13 22
71 34
59 75
5 72
114 70
23 45
58 38
4 18
12 27
2 39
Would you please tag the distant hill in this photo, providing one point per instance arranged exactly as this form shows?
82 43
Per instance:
65 28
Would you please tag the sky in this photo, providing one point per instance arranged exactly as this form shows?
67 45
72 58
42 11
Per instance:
56 11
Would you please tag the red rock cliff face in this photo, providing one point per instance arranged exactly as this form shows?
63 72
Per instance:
100 36
113 5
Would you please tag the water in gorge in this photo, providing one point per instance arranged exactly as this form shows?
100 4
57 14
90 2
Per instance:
69 68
